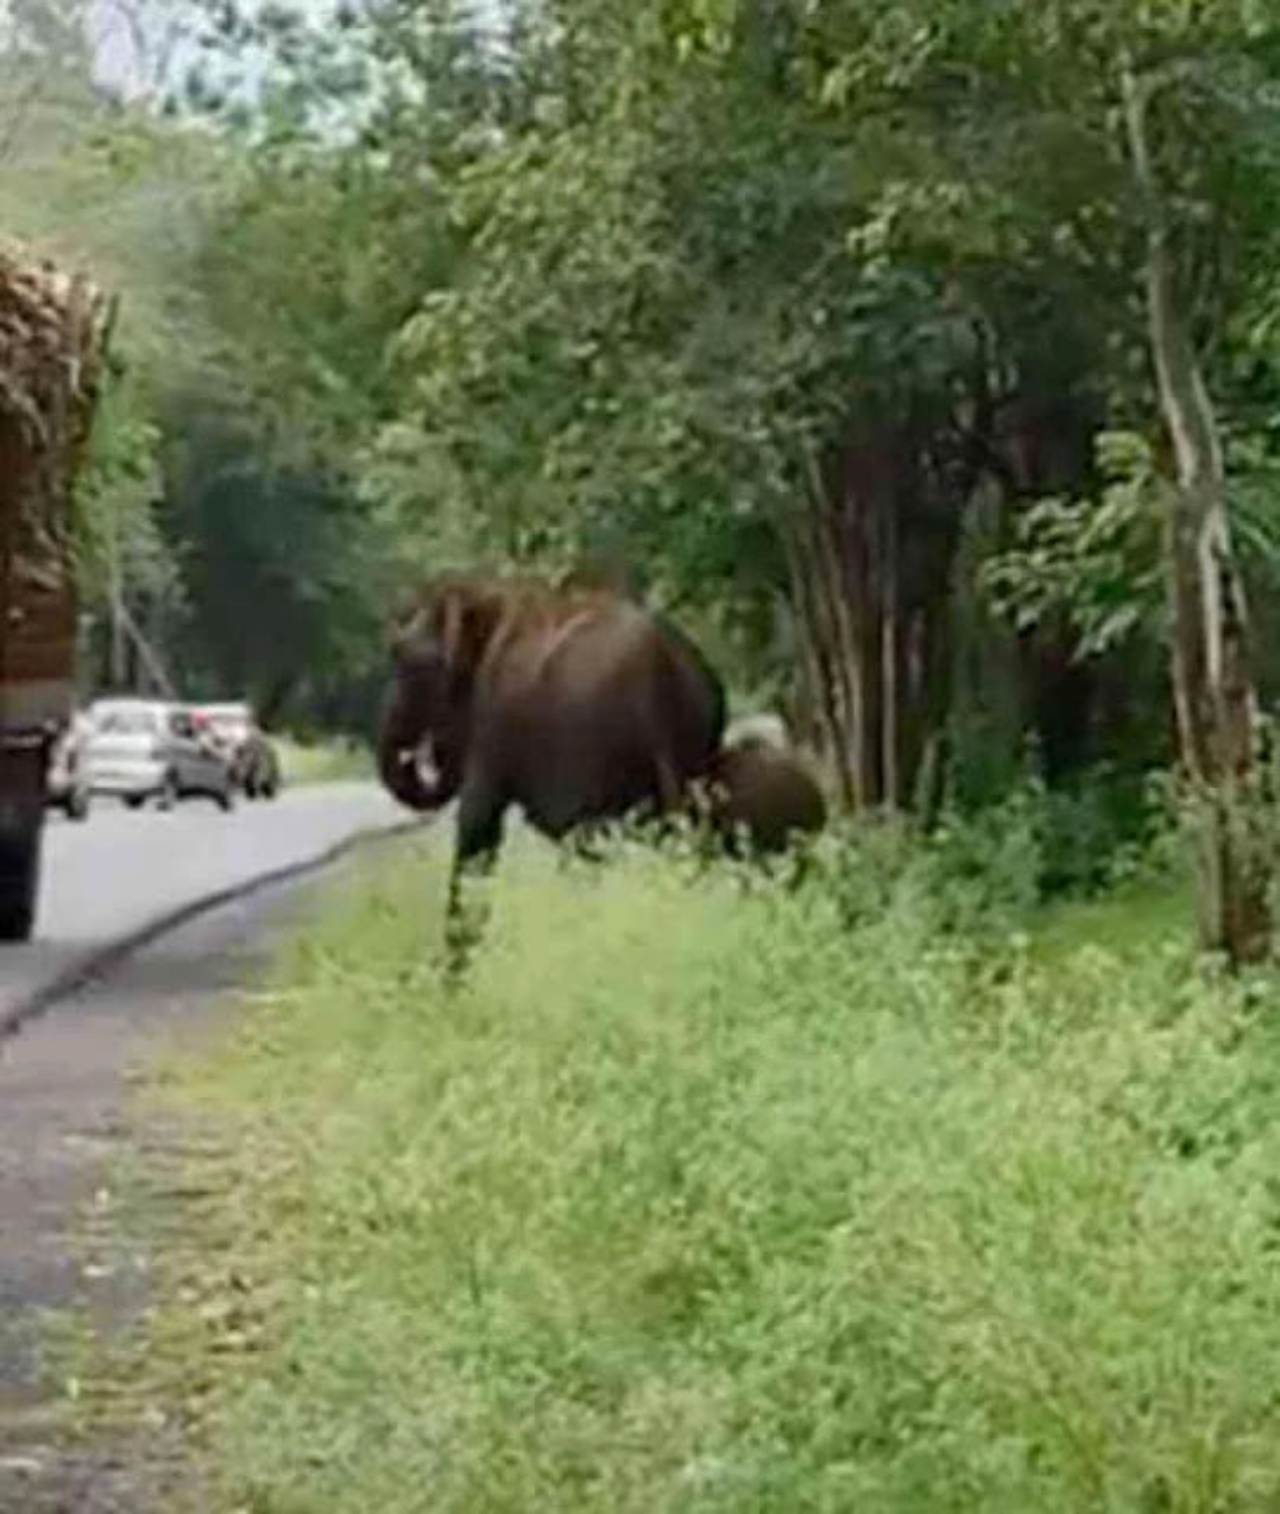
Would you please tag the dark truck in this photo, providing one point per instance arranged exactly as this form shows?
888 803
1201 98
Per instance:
53 337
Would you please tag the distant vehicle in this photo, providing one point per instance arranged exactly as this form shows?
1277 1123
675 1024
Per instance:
67 780
254 762
144 749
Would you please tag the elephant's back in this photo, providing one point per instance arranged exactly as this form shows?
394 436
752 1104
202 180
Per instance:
638 664
583 714
607 653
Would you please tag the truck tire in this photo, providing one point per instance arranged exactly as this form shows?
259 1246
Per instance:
19 879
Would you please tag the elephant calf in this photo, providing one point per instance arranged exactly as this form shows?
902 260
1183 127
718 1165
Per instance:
767 792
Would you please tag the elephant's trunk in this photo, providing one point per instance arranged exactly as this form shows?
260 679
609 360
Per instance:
408 767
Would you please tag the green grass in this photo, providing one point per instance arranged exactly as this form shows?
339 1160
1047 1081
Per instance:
321 761
1129 922
697 1201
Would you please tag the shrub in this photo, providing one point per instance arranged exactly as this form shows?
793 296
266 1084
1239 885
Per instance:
700 1198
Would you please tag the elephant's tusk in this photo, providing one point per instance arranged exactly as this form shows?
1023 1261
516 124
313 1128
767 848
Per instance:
422 759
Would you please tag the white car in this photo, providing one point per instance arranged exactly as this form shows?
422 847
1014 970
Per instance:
142 749
66 786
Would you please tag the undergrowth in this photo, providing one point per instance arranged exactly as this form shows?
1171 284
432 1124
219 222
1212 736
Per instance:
325 761
708 1197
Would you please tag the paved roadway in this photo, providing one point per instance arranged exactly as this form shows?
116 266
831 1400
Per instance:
118 871
65 1117
67 1122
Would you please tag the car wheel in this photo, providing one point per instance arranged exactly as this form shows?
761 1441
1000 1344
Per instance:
134 801
19 881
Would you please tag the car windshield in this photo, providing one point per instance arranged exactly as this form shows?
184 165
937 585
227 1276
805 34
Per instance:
227 722
227 719
124 720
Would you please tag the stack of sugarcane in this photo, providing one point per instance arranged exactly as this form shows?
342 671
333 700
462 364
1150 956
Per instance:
53 336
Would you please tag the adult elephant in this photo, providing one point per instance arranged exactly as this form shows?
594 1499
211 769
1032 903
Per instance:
574 702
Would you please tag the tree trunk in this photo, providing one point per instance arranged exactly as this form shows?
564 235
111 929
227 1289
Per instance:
843 556
1213 686
143 654
835 632
816 691
870 573
890 646
278 693
117 655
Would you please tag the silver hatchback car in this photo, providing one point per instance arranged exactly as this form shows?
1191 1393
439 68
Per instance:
140 749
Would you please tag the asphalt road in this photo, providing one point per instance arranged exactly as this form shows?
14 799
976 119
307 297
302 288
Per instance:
67 1121
117 872
65 1115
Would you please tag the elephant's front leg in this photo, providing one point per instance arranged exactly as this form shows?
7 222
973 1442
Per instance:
479 838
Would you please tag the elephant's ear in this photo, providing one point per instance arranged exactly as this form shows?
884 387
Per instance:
431 625
464 617
407 628
450 619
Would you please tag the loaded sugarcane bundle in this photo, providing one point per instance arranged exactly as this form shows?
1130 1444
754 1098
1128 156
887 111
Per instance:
54 329
53 332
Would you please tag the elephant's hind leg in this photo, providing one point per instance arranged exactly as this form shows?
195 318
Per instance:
587 842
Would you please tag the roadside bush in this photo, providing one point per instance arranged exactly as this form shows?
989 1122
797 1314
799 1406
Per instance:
1095 826
972 876
700 1198
984 872
326 761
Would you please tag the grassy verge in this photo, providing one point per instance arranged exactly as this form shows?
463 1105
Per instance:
700 1201
321 761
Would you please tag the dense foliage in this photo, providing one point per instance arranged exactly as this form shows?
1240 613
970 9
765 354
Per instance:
744 291
834 322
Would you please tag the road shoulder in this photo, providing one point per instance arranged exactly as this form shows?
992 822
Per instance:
73 1271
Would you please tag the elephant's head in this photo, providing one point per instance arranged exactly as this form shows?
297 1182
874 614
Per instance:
436 648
